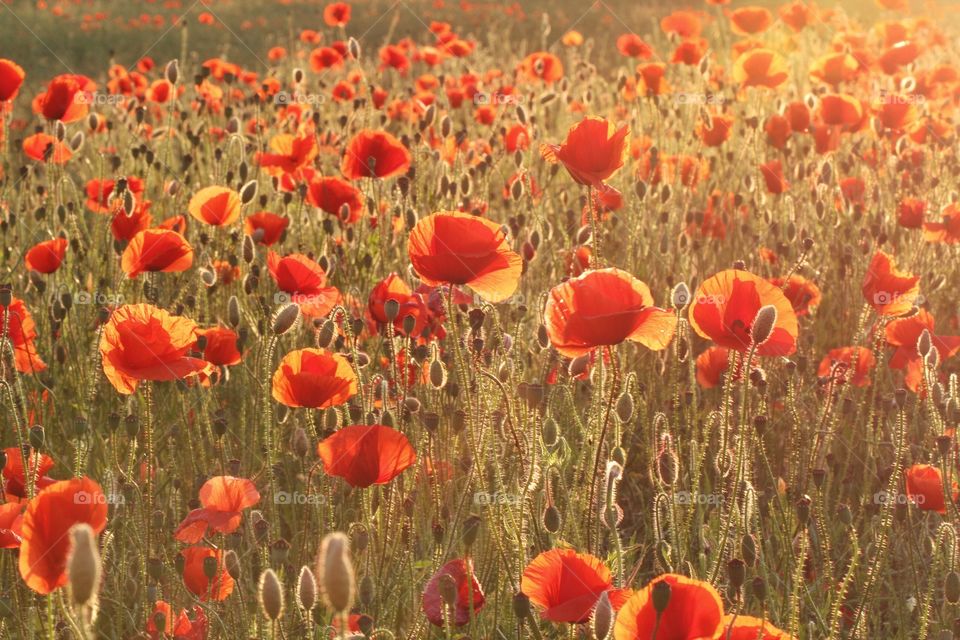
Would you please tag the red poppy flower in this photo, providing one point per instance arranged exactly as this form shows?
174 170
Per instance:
778 131
123 227
46 257
336 14
947 230
727 304
911 213
760 68
14 479
66 98
332 194
741 627
633 46
685 24
11 78
847 356
711 365
374 154
11 525
605 307
716 130
541 66
156 250
773 177
46 524
747 21
590 153
45 148
142 342
222 500
179 628
565 585
925 488
803 294
449 247
889 291
100 196
840 109
305 283
797 15
218 206
195 578
265 227
410 304
468 590
652 79
22 332
289 154
323 58
314 378
903 333
366 454
694 612
221 346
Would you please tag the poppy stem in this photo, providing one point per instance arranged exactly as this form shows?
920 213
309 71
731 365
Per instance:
594 231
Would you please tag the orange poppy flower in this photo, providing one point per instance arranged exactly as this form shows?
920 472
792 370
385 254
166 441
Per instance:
305 283
592 151
374 154
218 206
45 148
153 250
265 228
847 356
925 488
195 578
652 80
694 612
572 38
726 305
468 590
903 334
14 479
46 257
778 131
336 14
835 68
947 230
541 66
332 194
760 68
565 585
11 525
289 154
747 21
716 130
142 342
911 213
46 525
222 499
11 79
773 177
314 378
124 227
220 346
685 24
711 365
366 454
741 627
840 109
450 247
323 58
179 628
22 332
889 291
802 293
410 304
66 98
633 46
797 15
605 307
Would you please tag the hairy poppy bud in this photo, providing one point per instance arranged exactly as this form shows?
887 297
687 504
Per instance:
521 606
270 594
391 309
285 319
951 587
172 71
736 572
83 565
232 562
551 519
602 617
924 343
248 192
306 589
353 46
233 312
763 324
335 572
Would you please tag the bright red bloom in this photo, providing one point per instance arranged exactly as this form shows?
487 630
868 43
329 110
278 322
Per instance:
741 627
366 454
947 230
179 628
711 365
22 332
305 282
156 250
468 590
374 154
221 346
265 227
336 14
633 46
903 333
11 525
846 357
314 378
46 525
14 479
760 68
605 307
591 153
726 305
217 206
565 585
541 66
222 500
773 177
333 194
803 294
46 257
66 98
450 247
100 194
889 291
694 612
45 148
750 20
410 304
925 488
911 213
11 79
196 579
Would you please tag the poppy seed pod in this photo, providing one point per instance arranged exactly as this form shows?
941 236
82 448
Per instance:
306 589
471 529
270 595
335 572
763 324
83 565
602 617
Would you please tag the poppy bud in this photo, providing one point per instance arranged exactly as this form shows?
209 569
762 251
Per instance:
550 433
210 566
391 309
448 589
944 443
285 319
83 565
306 589
232 563
207 276
438 373
249 249
736 572
521 606
668 467
748 549
551 519
803 510
335 572
326 334
353 46
602 617
579 365
233 312
661 596
951 587
76 142
248 192
172 71
759 587
37 437
471 529
924 343
763 324
6 295
367 590
625 407
270 594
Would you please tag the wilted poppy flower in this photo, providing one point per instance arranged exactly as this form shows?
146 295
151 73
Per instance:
180 628
468 590
366 454
633 46
288 154
760 68
14 478
741 627
220 346
45 148
450 247
314 378
305 283
334 195
747 21
803 294
336 14
591 153
46 525
693 612
11 78
565 585
857 363
947 230
925 488
22 332
727 304
11 525
218 206
195 578
265 227
222 499
605 307
711 365
374 154
153 250
142 342
46 257
889 291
